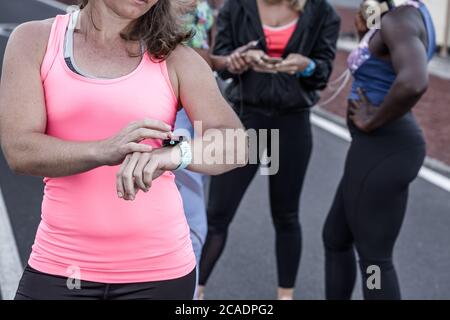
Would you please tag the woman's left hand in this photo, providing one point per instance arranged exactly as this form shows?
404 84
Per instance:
139 170
293 64
362 112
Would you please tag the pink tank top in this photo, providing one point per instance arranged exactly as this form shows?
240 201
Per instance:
277 38
86 230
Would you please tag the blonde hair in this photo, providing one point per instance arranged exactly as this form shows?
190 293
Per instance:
297 5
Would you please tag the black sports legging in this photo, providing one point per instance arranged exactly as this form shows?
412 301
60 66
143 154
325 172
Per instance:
369 208
36 285
227 190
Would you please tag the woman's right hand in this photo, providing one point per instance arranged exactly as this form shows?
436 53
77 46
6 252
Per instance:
236 62
112 151
254 56
258 61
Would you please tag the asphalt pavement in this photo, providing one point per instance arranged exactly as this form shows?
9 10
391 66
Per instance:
247 268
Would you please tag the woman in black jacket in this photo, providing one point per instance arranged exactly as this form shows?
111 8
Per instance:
274 86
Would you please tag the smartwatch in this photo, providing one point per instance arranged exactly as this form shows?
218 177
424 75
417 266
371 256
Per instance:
185 149
309 71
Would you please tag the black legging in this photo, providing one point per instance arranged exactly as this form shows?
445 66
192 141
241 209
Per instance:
369 208
227 190
36 285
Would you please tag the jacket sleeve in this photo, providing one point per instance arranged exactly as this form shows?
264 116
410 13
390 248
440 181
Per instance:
224 40
324 52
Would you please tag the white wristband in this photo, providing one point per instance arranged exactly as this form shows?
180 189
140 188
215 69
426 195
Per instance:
186 155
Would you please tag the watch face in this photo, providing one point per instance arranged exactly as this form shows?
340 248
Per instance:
174 141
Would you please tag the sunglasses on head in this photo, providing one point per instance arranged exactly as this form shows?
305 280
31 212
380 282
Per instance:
369 8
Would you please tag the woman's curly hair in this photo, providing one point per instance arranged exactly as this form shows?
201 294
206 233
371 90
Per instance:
159 29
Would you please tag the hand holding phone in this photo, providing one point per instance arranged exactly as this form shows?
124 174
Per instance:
236 62
249 46
267 64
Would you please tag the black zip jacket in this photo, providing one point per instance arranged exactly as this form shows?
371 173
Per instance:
315 37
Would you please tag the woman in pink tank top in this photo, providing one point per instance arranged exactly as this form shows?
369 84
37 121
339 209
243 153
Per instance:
113 224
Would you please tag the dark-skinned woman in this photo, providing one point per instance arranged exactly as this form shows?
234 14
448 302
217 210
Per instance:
279 54
386 152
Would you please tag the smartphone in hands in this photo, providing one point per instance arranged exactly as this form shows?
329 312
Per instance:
272 60
269 64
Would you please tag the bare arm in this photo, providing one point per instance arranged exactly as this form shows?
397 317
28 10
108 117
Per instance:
217 63
226 54
401 33
204 53
27 148
203 102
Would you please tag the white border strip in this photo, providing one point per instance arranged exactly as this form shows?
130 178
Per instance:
425 173
10 264
54 4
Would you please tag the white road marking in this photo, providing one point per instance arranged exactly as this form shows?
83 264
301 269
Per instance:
435 178
331 127
6 29
425 173
10 265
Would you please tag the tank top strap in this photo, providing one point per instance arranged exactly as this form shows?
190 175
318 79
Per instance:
54 44
428 20
431 31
